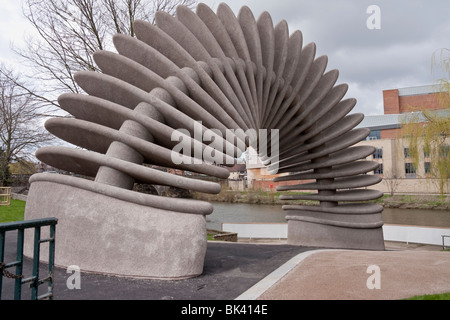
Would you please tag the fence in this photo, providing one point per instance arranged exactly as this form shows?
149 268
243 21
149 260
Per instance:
18 277
5 196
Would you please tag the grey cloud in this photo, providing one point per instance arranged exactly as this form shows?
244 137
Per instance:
398 55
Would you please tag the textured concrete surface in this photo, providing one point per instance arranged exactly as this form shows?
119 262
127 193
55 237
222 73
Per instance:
343 275
107 235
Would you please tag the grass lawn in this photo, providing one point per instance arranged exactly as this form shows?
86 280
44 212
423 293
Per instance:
15 212
443 296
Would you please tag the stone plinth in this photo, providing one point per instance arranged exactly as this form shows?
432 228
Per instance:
106 235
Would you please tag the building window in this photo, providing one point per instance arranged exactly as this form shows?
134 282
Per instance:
379 170
427 167
409 170
406 153
378 154
374 135
444 150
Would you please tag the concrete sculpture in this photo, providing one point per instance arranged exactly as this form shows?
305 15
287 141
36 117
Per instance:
219 71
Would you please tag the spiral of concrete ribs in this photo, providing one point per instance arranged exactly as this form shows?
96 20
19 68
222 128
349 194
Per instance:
221 71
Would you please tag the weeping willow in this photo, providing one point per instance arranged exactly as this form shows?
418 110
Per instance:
426 132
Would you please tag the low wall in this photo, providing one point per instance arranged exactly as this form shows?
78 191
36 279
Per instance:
414 234
17 196
236 185
257 230
397 233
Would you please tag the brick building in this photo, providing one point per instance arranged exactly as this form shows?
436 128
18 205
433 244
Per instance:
392 152
400 101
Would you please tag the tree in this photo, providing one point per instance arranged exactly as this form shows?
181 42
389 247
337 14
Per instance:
428 131
21 130
391 181
70 31
441 63
4 170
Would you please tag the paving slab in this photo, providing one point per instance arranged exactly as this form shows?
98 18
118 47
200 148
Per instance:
364 275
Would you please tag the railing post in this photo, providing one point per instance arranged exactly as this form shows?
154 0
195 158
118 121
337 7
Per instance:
19 267
51 259
443 241
2 255
36 255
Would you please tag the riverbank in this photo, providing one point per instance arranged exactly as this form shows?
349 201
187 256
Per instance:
429 202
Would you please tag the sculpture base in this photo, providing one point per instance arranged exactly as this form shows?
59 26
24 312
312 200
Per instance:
102 234
323 235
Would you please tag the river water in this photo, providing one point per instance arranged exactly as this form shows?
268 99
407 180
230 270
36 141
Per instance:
255 213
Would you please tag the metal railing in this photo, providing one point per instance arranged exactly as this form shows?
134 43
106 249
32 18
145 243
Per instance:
443 240
34 280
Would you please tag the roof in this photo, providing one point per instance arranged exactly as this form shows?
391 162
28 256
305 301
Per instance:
419 90
391 121
381 122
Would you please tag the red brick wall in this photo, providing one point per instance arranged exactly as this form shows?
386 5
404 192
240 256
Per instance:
426 101
391 102
390 134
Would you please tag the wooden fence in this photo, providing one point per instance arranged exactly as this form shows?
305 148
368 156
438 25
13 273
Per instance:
5 196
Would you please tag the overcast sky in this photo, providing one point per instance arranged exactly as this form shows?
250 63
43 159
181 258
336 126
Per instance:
396 56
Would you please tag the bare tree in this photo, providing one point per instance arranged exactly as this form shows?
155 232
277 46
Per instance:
70 31
391 180
21 130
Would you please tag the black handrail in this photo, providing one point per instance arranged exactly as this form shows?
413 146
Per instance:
34 280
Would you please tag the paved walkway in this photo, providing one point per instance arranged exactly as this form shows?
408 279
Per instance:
363 275
273 271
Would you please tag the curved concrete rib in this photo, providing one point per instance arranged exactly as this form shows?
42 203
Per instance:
220 78
88 163
98 138
352 208
146 200
343 183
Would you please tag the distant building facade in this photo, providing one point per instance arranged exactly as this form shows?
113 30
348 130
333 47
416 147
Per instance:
400 101
392 152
